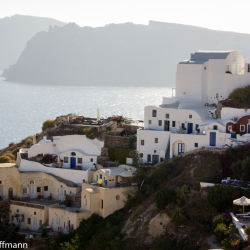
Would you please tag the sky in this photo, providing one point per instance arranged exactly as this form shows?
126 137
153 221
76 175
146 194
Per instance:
227 15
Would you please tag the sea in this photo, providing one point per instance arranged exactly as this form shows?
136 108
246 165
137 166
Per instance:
24 107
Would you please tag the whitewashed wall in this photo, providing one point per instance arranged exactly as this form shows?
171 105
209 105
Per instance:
68 174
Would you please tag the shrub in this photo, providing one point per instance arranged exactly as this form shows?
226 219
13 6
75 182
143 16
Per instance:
178 216
163 197
11 144
44 232
132 140
220 231
48 124
241 96
219 219
47 159
221 197
119 154
29 140
160 243
9 154
6 159
182 195
247 230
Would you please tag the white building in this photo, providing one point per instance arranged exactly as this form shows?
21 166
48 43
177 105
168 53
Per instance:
189 120
75 157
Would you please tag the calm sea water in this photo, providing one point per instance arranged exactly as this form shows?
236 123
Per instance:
23 108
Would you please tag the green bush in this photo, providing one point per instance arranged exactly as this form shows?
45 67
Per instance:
119 154
221 231
221 219
6 159
241 96
221 197
9 154
178 216
48 124
163 197
11 144
132 140
182 195
247 230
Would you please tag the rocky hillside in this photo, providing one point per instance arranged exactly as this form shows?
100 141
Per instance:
117 54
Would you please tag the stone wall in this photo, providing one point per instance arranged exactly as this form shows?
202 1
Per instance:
116 141
203 149
102 160
24 204
105 152
131 129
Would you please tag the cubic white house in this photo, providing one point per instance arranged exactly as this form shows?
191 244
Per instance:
190 120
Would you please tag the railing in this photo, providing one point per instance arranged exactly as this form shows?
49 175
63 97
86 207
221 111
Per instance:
237 224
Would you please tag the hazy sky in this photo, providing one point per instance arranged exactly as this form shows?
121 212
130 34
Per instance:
228 15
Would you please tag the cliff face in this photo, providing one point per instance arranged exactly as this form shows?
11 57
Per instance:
117 54
16 31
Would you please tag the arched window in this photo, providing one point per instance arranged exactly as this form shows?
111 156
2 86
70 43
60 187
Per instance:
32 183
73 154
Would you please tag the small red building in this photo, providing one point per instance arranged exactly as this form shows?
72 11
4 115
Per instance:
242 126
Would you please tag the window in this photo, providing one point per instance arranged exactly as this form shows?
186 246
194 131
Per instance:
91 160
184 92
29 221
46 188
190 116
248 68
64 224
73 153
142 142
173 124
196 145
85 202
0 182
228 68
156 140
167 116
40 223
217 95
215 127
79 160
32 183
160 122
205 68
161 159
34 213
149 122
154 151
242 128
149 158
24 190
101 203
141 155
154 113
64 192
17 210
230 128
183 125
38 189
117 197
66 159
100 176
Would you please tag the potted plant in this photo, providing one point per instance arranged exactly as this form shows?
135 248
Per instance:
198 130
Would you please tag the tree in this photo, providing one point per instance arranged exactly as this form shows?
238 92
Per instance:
241 168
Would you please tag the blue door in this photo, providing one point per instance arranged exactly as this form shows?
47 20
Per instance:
233 135
181 148
248 128
72 162
190 128
212 138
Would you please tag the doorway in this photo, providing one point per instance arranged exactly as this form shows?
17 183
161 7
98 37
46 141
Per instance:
166 126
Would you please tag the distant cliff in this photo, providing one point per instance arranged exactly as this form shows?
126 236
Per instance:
117 54
15 31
